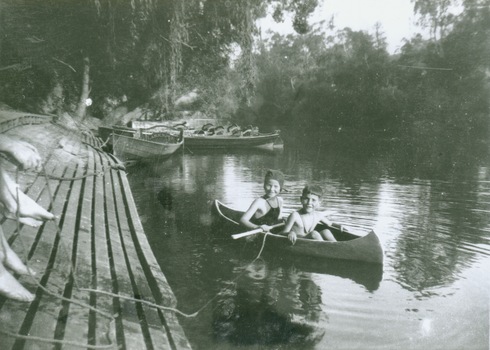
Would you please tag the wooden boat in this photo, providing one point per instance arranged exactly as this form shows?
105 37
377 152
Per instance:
208 136
349 246
267 141
142 145
105 132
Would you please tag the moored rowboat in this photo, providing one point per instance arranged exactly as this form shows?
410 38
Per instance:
261 141
218 138
105 132
349 246
150 147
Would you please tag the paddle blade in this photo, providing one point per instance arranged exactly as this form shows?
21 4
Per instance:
245 234
253 232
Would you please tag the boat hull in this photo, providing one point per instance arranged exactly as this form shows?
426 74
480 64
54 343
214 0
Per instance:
262 141
364 248
130 147
349 246
105 133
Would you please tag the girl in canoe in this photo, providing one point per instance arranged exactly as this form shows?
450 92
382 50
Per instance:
302 223
266 211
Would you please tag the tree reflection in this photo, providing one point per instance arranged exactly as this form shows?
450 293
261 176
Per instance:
269 307
444 219
441 234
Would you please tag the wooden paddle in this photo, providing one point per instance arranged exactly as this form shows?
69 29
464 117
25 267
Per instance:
252 232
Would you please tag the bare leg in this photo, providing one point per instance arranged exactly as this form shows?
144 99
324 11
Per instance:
9 286
315 236
29 211
9 259
327 235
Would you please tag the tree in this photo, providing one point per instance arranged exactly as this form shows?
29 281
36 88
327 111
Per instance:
136 49
435 15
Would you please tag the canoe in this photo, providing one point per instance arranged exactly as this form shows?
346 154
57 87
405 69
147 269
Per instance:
146 146
349 246
267 141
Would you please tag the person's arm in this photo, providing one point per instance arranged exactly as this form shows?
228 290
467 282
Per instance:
288 228
329 223
288 225
324 219
247 216
21 153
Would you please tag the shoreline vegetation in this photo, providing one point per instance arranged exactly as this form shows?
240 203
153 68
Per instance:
176 62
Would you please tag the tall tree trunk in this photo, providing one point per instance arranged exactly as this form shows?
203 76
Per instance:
82 107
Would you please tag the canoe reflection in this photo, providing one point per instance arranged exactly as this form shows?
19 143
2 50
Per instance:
365 274
269 307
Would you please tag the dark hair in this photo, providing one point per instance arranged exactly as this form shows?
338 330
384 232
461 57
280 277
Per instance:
313 189
275 175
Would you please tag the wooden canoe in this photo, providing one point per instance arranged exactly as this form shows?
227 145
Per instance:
349 246
153 146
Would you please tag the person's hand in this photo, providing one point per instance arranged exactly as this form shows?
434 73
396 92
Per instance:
23 154
265 228
292 237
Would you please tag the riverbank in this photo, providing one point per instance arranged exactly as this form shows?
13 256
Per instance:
97 282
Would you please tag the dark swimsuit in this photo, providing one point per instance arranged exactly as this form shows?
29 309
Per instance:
270 218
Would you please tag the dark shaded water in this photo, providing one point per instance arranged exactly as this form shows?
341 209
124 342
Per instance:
431 216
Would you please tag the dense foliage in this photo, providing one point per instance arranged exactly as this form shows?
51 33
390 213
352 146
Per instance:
54 54
349 82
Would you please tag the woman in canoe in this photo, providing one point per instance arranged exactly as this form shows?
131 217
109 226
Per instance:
266 211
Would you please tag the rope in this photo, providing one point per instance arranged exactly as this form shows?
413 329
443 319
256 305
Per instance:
261 249
150 304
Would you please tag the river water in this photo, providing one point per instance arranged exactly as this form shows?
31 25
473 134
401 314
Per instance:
432 216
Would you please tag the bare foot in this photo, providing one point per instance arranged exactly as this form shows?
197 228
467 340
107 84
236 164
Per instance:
9 259
26 221
12 289
28 208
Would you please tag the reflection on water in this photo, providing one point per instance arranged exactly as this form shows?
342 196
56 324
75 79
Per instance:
165 198
365 274
434 225
269 307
